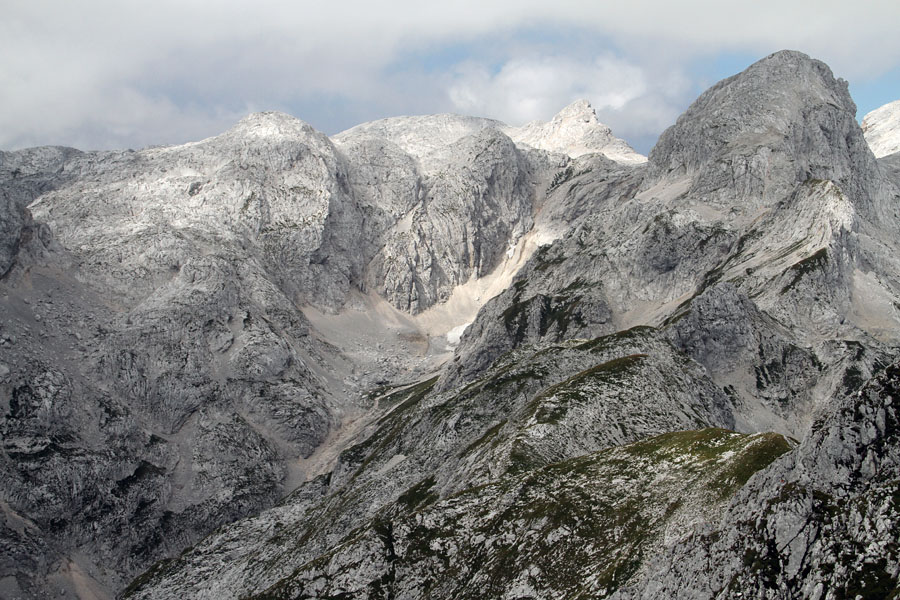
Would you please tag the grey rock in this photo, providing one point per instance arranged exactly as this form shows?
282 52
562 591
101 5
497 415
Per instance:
890 165
13 220
783 121
228 394
575 131
526 413
540 536
480 200
882 129
420 136
817 525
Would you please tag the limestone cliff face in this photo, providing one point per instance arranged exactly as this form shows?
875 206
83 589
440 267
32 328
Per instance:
783 121
271 187
700 216
478 203
822 523
136 419
882 129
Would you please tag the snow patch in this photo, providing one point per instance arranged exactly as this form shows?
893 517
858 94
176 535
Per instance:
454 335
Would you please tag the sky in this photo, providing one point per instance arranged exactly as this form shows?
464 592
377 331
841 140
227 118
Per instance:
111 74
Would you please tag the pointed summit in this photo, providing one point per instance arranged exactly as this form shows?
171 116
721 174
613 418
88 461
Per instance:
784 120
778 102
580 110
575 131
882 129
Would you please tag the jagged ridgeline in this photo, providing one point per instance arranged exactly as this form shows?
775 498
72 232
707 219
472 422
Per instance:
442 357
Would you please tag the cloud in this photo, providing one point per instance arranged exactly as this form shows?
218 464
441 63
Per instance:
108 73
527 89
636 101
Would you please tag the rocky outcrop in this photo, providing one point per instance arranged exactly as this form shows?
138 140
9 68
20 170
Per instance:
882 129
822 523
26 174
540 535
14 218
575 131
477 206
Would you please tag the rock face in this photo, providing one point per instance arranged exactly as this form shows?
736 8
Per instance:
159 371
460 222
419 136
882 129
822 523
237 346
507 539
138 374
11 230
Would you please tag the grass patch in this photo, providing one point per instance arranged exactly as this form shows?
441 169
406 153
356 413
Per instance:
809 264
419 495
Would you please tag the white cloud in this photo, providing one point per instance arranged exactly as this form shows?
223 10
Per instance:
636 101
527 89
108 72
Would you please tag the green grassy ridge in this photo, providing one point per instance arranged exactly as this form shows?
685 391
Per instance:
497 389
585 524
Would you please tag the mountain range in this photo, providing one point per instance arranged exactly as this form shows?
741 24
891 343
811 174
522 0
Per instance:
443 357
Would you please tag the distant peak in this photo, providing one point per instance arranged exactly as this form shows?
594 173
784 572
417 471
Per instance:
575 130
882 129
269 116
770 102
272 122
578 110
787 56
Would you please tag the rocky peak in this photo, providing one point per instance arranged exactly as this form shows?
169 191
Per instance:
272 123
418 136
882 129
284 135
575 131
581 110
786 119
767 103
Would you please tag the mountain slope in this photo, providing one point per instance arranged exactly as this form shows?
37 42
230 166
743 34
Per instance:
264 373
576 528
207 319
822 523
744 278
575 131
